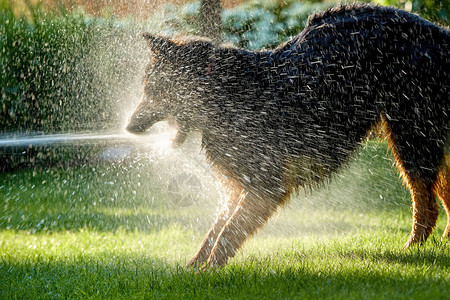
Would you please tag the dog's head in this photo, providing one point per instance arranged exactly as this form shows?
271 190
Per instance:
170 83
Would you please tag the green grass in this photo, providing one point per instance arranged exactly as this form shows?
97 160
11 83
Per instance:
114 232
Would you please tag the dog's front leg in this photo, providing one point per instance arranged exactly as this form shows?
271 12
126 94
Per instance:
236 195
252 213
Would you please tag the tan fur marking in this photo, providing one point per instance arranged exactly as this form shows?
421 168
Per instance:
250 215
425 208
236 195
442 189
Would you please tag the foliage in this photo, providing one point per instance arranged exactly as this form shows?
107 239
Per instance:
253 25
256 24
41 61
433 10
60 70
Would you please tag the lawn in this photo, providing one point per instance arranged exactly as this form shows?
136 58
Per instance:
115 231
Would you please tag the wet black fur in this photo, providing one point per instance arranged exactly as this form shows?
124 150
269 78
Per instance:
273 121
313 99
304 107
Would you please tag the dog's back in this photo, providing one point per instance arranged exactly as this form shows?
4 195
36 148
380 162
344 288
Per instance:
357 65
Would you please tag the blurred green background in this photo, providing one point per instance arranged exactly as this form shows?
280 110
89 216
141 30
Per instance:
77 67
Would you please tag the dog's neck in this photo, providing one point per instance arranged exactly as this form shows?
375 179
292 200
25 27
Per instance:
231 67
232 82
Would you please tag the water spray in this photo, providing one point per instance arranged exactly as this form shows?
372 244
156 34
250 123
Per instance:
107 147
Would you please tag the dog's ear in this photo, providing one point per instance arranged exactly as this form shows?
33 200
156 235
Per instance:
190 54
159 44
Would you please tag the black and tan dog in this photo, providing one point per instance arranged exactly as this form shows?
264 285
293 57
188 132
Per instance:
273 121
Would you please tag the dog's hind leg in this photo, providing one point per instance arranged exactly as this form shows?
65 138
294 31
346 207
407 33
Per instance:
442 189
252 213
425 211
418 161
236 195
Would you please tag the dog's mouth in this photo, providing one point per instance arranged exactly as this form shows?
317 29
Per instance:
142 119
165 127
139 122
136 128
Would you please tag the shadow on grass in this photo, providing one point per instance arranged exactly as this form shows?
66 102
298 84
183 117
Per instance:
434 253
137 277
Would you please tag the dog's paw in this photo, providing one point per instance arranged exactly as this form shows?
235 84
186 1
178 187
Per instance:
199 260
215 261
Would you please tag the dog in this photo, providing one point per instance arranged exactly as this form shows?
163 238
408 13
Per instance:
276 121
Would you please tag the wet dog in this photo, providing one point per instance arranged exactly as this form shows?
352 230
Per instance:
274 121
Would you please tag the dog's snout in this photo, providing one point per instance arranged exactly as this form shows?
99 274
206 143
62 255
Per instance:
143 118
134 127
